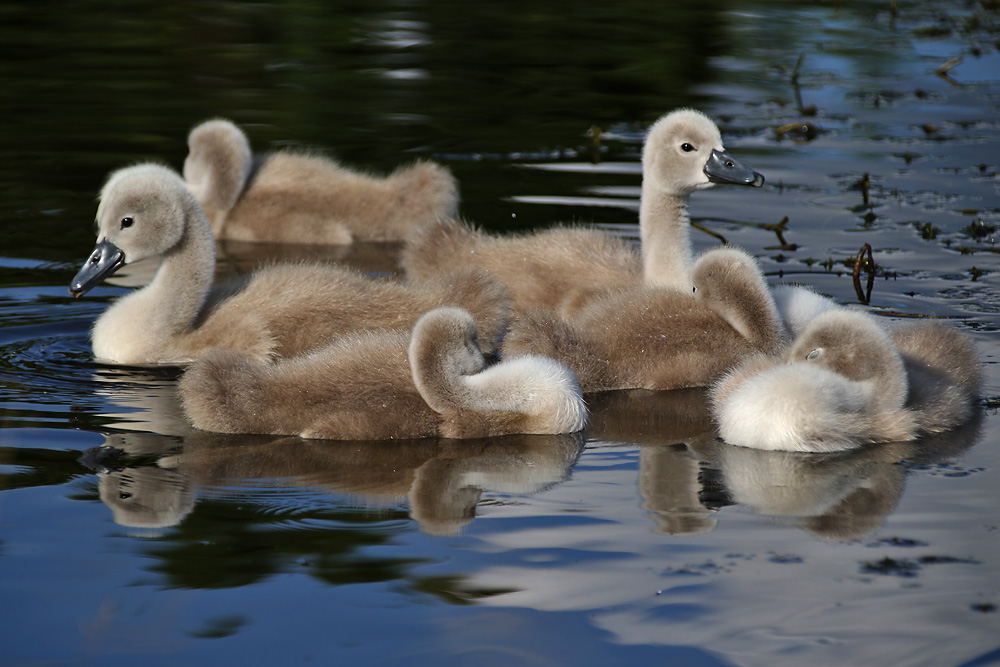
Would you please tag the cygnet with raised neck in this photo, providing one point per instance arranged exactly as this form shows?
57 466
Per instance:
281 310
561 269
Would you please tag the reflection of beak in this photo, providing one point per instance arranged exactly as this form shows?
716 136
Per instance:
105 260
724 168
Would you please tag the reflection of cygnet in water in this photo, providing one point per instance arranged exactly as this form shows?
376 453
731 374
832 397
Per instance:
844 382
442 480
671 482
447 488
146 496
837 496
667 425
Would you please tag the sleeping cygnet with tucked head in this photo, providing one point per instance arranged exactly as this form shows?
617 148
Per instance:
846 381
378 385
295 197
842 384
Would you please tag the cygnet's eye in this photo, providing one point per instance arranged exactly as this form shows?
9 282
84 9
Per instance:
687 148
127 222
814 354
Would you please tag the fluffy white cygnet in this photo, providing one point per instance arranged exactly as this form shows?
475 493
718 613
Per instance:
846 381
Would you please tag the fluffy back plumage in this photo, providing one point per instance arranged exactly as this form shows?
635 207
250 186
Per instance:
300 197
383 385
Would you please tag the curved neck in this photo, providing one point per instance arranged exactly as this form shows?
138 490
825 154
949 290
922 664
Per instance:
666 239
759 322
438 374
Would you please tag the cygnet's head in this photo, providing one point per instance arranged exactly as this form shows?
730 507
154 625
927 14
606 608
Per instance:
142 213
683 152
217 163
448 338
855 346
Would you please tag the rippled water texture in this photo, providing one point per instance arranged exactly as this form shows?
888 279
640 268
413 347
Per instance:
126 536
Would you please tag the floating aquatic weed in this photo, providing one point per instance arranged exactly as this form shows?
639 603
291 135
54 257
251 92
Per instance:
223 626
898 542
779 229
928 231
979 229
937 560
804 110
891 566
800 132
786 558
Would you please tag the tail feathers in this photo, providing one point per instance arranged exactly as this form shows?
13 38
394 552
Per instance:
539 387
944 374
431 191
936 399
529 394
944 350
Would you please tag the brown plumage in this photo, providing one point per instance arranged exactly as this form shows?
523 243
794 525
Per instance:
660 337
562 269
557 268
377 385
294 197
280 310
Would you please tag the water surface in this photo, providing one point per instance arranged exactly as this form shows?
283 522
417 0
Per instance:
125 534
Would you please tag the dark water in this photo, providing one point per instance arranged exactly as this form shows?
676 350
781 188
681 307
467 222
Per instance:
644 539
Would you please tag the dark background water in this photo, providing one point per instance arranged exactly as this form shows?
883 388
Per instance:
645 539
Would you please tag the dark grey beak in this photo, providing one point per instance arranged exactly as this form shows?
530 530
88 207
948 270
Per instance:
724 168
105 260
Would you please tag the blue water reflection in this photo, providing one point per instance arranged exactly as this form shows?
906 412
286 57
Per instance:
126 534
